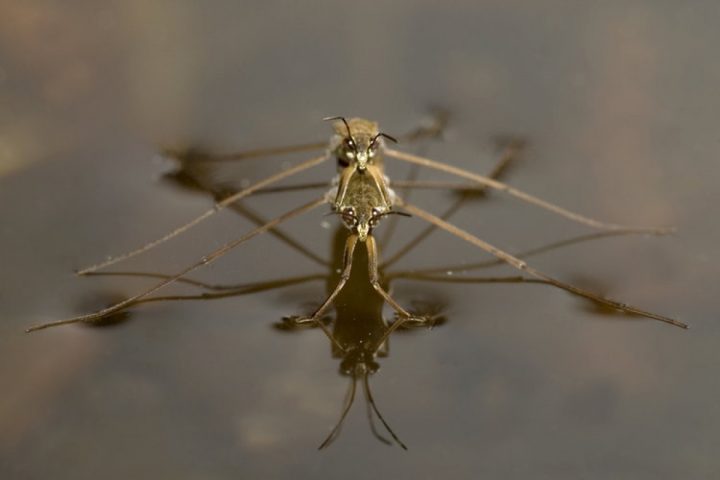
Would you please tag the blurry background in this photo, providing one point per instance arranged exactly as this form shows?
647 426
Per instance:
619 103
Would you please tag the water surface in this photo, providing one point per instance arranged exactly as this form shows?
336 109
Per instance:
618 104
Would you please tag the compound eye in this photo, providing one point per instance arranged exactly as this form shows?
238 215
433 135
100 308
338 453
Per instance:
374 218
372 148
349 217
350 144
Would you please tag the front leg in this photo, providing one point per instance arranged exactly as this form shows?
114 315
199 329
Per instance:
404 317
344 276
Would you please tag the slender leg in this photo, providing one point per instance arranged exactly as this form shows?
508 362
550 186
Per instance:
187 281
437 185
344 276
404 191
200 177
432 130
197 156
258 220
522 266
407 157
206 260
400 321
293 188
509 153
375 282
218 206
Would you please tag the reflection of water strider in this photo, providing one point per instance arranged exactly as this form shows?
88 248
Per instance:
362 197
359 332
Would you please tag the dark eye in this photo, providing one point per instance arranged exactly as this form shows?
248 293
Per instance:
375 218
349 143
349 217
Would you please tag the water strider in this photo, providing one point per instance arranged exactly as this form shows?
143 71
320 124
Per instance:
363 197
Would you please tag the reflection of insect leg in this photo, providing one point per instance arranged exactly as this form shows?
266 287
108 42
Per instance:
522 266
206 260
219 291
199 156
407 157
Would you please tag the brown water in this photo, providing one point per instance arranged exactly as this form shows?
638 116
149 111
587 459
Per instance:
618 101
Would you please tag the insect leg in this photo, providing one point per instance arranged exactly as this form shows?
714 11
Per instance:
294 188
285 238
200 177
375 282
206 260
438 185
350 244
407 157
217 291
509 153
216 208
524 267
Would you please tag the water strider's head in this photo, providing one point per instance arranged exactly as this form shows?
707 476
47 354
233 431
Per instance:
356 141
